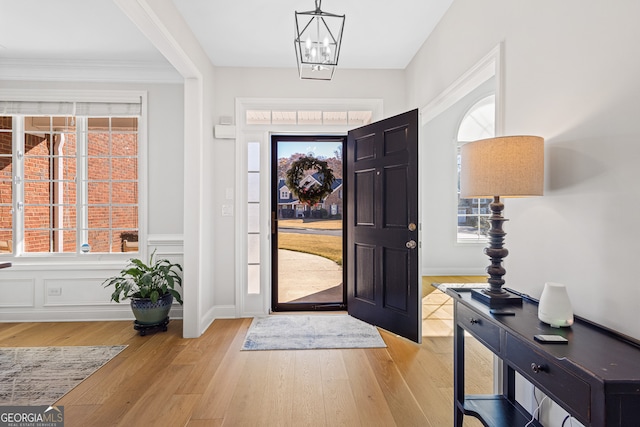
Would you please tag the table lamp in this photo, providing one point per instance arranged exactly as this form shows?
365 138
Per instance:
508 166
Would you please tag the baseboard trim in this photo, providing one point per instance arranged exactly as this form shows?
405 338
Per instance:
93 314
224 312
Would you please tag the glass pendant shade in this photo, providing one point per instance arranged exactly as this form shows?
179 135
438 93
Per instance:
317 42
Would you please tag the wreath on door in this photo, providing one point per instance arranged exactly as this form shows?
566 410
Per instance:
310 193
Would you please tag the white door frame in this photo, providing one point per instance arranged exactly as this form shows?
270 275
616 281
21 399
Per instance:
258 304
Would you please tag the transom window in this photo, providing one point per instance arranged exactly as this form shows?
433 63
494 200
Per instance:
477 123
69 183
307 117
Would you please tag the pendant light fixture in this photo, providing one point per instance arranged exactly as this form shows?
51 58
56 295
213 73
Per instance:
317 42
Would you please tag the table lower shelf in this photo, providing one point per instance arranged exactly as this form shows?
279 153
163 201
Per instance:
497 410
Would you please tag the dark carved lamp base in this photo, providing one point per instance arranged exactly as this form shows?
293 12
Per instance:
494 295
496 300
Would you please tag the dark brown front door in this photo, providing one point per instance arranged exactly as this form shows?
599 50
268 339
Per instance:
382 218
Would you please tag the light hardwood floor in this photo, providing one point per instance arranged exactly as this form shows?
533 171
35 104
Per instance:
165 380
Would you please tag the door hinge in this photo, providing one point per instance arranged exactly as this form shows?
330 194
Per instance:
274 223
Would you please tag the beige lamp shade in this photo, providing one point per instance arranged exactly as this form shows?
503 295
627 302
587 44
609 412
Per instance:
508 166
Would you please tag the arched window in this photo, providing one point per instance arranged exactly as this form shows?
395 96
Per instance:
477 123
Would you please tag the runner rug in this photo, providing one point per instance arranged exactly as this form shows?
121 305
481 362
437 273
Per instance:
41 375
302 332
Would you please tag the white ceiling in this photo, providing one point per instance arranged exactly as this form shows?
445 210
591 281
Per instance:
235 33
95 30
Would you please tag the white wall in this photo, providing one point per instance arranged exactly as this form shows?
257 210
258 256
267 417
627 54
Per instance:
25 284
166 160
570 76
232 83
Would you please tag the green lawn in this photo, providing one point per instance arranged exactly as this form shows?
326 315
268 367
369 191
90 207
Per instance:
318 224
329 247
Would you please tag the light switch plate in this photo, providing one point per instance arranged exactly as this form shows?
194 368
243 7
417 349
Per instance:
227 210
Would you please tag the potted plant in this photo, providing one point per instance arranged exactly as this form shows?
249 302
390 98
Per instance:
151 289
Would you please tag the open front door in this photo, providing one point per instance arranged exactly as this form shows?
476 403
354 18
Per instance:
382 225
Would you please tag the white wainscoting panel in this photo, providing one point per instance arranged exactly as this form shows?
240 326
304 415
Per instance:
49 289
17 292
75 291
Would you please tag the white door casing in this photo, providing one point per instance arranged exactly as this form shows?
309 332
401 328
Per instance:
258 304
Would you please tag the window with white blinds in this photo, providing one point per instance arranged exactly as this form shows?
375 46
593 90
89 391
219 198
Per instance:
69 174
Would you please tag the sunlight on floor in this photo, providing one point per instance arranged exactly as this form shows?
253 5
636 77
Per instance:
437 315
437 307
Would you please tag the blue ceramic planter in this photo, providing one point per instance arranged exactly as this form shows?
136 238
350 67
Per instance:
148 313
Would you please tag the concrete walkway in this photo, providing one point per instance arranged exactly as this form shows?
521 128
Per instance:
301 275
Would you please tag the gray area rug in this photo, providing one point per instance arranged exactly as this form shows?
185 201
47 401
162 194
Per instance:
32 376
303 332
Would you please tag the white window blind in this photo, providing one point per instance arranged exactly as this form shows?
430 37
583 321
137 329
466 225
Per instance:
36 108
108 109
64 108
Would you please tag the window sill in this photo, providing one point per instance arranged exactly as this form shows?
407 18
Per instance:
56 262
472 243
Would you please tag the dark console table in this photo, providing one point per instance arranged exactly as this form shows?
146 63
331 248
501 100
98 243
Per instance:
595 377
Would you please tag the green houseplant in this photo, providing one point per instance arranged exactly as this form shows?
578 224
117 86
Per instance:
150 287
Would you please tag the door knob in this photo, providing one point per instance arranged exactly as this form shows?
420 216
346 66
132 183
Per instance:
411 244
